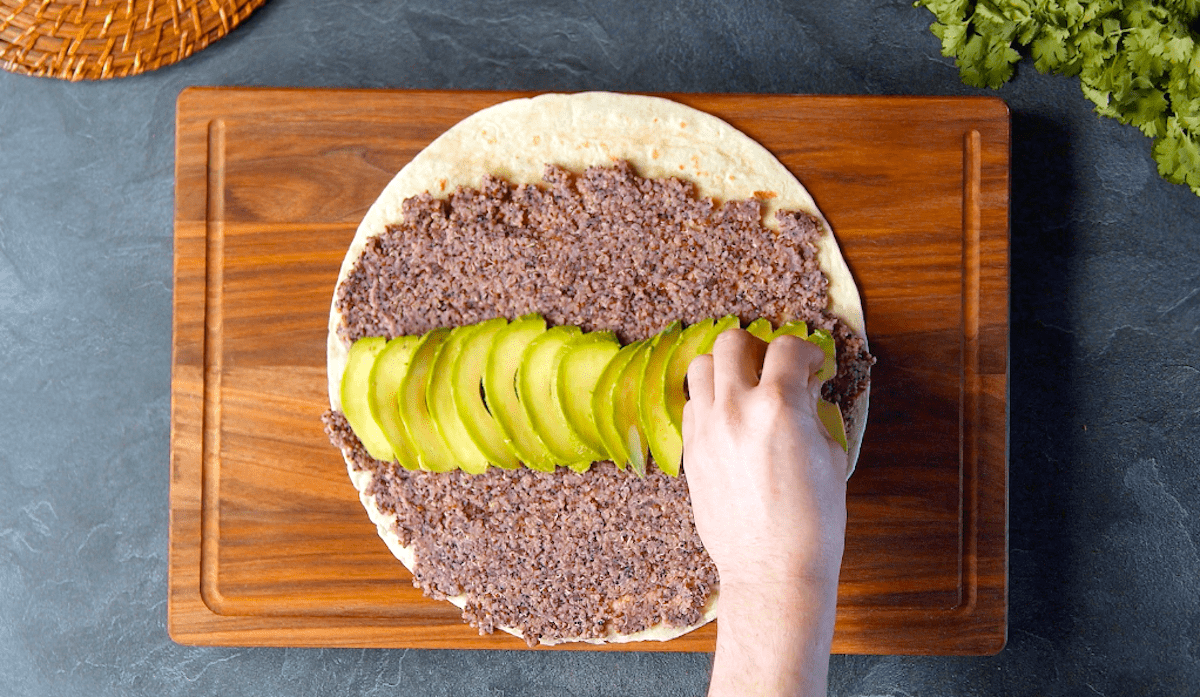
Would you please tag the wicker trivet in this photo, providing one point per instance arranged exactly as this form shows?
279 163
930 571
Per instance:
99 39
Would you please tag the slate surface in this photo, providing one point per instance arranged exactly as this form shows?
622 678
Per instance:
1105 381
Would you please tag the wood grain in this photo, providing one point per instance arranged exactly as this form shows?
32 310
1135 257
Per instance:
268 542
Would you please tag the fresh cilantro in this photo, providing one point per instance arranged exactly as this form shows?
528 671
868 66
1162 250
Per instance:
1138 61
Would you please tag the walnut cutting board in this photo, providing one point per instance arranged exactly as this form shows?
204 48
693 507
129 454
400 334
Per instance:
268 542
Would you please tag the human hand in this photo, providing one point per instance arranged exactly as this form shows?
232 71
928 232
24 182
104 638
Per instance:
767 481
768 488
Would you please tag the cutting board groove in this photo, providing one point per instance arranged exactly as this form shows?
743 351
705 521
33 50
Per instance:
268 542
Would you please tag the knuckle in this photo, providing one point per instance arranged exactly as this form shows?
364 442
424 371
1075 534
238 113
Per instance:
794 344
733 338
787 341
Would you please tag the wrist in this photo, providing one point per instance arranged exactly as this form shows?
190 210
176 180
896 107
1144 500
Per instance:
783 578
777 608
774 639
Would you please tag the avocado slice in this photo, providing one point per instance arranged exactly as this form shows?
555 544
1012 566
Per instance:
669 451
625 398
576 371
696 340
535 390
353 393
603 406
466 376
652 413
383 384
439 396
792 328
499 387
637 451
432 452
761 328
691 344
831 416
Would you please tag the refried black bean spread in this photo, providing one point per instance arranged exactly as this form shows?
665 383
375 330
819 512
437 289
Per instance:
563 554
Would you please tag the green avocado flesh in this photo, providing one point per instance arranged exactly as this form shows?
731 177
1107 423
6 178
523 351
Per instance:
466 377
439 396
696 340
383 384
602 403
625 398
576 372
653 417
761 328
432 453
831 416
501 393
500 389
535 390
668 451
793 328
356 407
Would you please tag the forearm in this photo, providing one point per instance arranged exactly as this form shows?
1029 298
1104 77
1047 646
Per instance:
774 642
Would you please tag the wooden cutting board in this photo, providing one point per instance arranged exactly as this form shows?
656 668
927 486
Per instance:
268 542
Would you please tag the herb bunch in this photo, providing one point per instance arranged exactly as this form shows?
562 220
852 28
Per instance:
1137 60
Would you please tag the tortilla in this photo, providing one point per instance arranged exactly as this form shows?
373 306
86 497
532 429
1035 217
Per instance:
516 139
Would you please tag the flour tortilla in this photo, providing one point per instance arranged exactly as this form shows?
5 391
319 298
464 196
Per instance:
516 139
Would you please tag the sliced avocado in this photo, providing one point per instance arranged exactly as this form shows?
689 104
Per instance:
439 396
637 452
690 344
535 390
466 375
432 452
824 339
792 328
652 413
669 453
602 403
353 393
577 370
383 384
831 416
696 340
499 387
625 407
761 328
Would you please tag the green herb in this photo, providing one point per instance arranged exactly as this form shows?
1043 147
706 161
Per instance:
1138 61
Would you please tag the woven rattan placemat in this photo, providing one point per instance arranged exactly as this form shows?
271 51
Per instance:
99 39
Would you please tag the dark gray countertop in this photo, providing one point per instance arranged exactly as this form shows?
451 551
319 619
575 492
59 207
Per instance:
1105 350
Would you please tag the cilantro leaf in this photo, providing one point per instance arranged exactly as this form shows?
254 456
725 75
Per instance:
1178 156
953 35
1138 61
1051 51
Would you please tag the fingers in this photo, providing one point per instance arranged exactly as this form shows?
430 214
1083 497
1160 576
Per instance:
689 423
700 391
792 363
700 379
737 358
